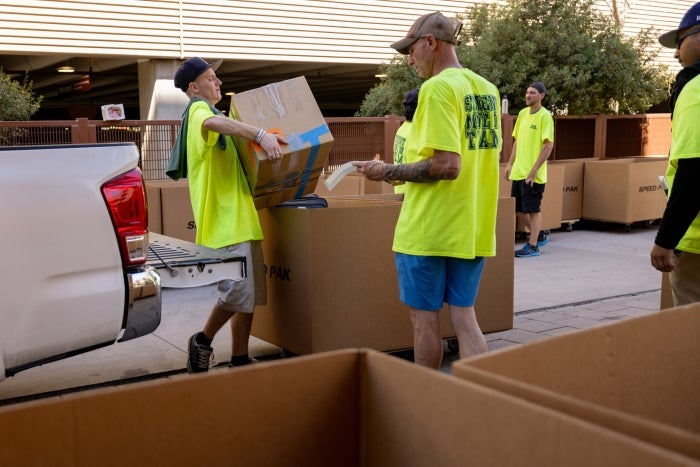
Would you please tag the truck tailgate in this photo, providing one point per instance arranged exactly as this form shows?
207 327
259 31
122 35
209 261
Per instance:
185 264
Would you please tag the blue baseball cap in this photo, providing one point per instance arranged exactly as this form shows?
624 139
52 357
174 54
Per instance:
691 18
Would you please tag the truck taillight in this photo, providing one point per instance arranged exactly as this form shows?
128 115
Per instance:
126 201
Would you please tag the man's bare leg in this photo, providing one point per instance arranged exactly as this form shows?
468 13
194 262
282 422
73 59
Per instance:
241 324
427 338
469 336
535 224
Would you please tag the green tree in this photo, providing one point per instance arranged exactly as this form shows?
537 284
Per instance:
588 65
17 102
386 98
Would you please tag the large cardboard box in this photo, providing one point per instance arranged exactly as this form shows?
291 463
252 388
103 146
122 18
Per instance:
332 280
175 208
352 184
636 376
572 188
666 299
551 200
288 108
624 190
154 209
345 408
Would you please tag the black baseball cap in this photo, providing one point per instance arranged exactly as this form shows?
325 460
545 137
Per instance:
191 69
539 86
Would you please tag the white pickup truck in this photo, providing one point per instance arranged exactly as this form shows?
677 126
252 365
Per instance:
74 244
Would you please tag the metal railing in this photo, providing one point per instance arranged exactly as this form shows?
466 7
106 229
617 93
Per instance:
355 138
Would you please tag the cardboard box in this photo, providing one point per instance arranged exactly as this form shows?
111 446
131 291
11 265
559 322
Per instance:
636 376
332 280
551 199
344 408
624 190
351 184
572 188
175 208
154 209
504 185
288 108
666 300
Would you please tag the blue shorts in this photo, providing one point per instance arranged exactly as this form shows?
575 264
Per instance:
425 282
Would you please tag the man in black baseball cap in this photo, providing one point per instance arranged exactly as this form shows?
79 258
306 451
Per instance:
676 248
223 206
191 69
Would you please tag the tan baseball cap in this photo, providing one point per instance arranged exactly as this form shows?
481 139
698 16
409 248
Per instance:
443 28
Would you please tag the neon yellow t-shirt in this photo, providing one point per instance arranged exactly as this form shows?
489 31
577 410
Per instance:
458 111
685 144
224 210
530 133
400 150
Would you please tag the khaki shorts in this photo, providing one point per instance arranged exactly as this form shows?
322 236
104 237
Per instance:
243 295
685 279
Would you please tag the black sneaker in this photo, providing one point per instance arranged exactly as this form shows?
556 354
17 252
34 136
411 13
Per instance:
198 356
542 239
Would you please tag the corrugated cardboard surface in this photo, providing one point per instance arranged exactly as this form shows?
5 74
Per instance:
352 184
175 208
332 280
344 408
624 190
154 208
572 188
288 108
637 376
666 300
551 199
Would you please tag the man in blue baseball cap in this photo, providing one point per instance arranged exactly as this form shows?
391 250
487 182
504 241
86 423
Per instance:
676 248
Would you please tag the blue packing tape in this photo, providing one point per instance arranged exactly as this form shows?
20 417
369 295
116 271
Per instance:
312 137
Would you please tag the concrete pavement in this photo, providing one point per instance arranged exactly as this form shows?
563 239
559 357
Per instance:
595 274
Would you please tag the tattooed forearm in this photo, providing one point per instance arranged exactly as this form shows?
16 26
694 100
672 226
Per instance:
416 172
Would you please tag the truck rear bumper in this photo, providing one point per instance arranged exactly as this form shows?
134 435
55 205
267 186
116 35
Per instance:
144 303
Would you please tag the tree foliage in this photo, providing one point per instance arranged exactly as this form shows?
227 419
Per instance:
581 55
17 102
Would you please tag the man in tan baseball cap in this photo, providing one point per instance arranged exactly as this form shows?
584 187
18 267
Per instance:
441 27
448 216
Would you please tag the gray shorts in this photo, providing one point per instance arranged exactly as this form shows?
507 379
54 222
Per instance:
243 295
